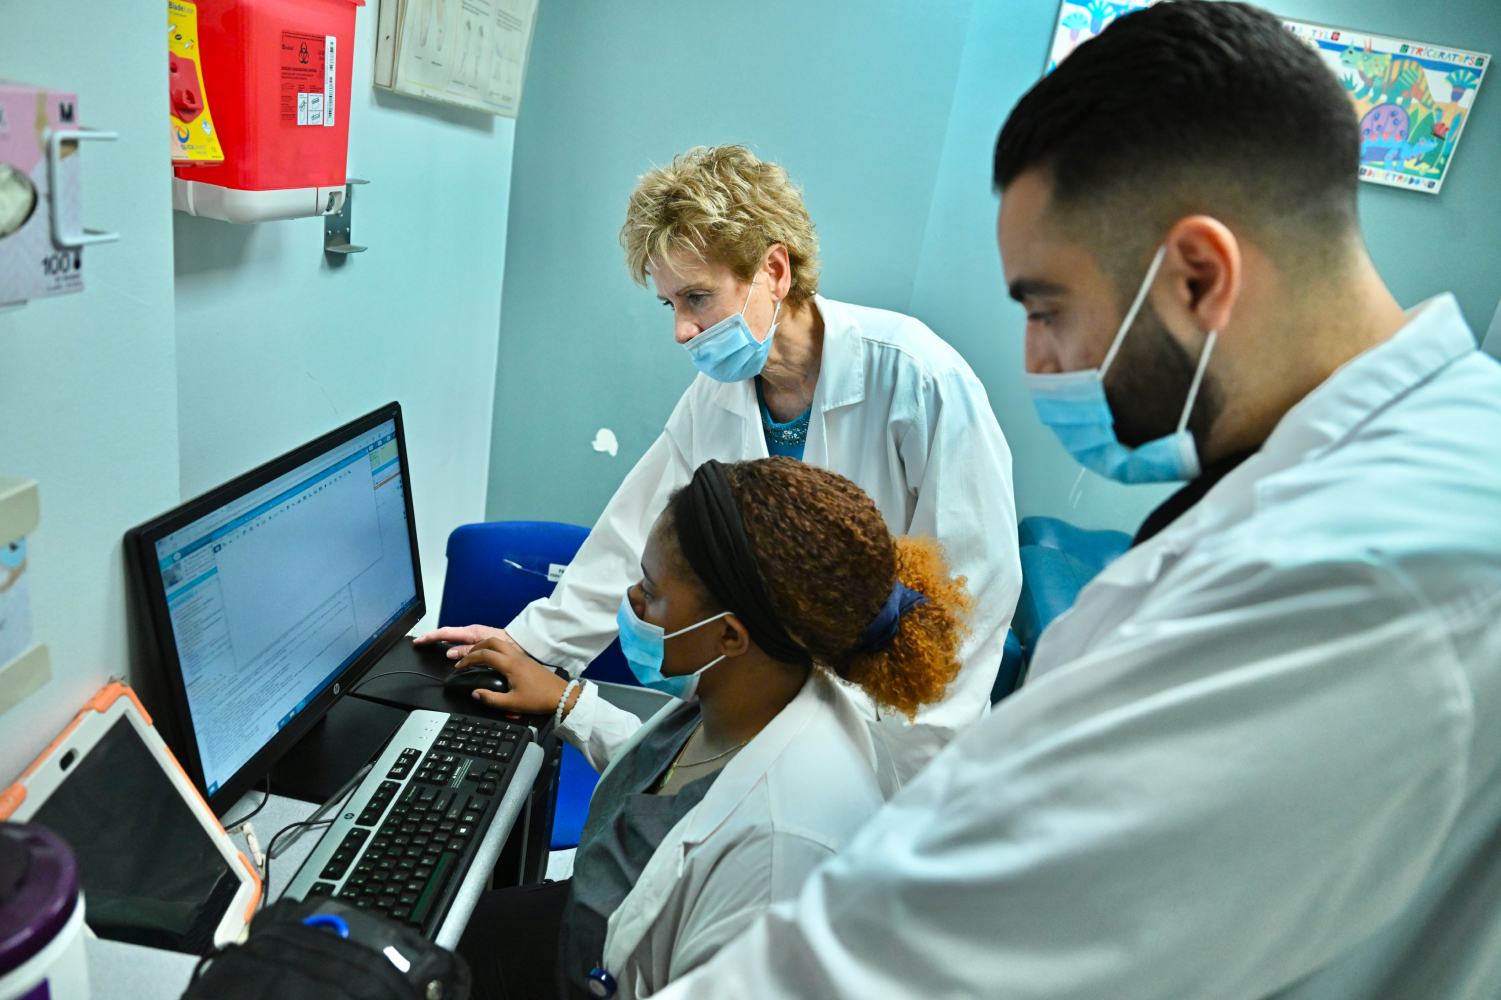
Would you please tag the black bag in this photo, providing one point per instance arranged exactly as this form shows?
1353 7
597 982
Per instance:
285 958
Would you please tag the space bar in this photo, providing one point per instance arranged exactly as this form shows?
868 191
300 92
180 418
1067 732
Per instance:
434 887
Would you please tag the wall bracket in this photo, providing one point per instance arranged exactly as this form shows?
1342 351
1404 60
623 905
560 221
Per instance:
336 227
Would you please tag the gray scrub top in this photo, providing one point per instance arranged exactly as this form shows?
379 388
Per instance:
625 825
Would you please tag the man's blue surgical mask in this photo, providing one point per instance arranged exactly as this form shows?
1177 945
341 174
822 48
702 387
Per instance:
643 645
728 351
1073 404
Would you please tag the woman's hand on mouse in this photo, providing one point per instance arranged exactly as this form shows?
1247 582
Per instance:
463 637
535 690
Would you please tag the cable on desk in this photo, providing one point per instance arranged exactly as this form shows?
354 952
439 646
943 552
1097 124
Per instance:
393 673
271 845
252 813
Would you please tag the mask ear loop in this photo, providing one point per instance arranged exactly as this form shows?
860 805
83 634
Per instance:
774 313
1193 389
1141 296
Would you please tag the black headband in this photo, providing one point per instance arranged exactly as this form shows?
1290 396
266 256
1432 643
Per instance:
712 537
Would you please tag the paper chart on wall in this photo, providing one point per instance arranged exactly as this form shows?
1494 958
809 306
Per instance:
467 52
1412 98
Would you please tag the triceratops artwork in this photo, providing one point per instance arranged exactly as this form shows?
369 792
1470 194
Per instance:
1413 99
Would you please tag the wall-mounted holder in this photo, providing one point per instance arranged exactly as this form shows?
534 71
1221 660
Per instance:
42 234
66 232
336 226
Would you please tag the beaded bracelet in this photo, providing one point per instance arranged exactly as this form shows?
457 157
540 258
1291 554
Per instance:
557 719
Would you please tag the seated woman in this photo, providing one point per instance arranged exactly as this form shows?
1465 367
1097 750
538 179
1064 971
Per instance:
761 581
726 241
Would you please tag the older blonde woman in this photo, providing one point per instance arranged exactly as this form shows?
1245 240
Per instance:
870 394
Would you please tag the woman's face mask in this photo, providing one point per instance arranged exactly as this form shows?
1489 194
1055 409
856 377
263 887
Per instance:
644 645
728 351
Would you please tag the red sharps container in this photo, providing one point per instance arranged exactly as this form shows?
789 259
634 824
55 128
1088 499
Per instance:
277 75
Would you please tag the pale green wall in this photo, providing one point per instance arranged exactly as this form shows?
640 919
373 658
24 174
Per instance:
152 386
88 402
275 346
886 113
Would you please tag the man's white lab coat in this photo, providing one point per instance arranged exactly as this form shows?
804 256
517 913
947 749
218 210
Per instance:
793 797
1260 757
897 411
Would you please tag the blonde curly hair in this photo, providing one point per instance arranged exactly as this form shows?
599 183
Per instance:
723 205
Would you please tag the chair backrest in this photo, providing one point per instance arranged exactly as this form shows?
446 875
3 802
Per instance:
496 568
1058 559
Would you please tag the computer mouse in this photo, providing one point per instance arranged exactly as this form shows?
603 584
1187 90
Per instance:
463 682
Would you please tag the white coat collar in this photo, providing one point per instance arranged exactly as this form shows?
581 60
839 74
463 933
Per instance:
841 373
1435 335
636 914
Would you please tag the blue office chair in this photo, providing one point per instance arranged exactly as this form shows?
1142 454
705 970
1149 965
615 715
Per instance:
1058 559
494 570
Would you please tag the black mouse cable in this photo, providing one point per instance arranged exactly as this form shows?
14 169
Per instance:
392 673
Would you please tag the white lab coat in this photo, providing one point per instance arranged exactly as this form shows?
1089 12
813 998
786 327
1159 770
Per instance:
787 802
1260 757
897 411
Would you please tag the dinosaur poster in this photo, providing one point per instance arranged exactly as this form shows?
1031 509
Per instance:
1412 99
1081 20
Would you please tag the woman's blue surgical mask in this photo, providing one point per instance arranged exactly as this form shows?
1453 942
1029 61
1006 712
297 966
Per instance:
643 645
728 351
1073 404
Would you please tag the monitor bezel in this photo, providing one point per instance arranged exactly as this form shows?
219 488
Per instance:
161 647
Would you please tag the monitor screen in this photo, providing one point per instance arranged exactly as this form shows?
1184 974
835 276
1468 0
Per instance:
274 593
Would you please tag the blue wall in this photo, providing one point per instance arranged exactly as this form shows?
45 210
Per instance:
851 96
886 114
1422 244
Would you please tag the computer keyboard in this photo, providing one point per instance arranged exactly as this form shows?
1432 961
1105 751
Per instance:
409 833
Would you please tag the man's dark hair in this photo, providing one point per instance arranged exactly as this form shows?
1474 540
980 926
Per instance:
1193 106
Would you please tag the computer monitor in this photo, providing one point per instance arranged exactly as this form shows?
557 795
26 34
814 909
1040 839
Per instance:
267 598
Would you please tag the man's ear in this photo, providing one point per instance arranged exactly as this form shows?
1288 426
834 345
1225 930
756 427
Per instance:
734 638
1200 278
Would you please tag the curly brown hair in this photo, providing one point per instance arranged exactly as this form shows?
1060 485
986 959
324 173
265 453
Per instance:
828 563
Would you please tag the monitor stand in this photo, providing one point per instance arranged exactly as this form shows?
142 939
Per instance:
346 739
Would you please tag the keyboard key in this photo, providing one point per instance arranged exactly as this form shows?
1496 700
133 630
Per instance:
421 872
487 788
408 898
321 889
433 889
349 892
379 876
400 912
455 844
405 865
463 830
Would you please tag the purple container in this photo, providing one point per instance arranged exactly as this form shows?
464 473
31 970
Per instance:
38 890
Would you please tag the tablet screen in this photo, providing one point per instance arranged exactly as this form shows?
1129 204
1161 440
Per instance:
150 873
